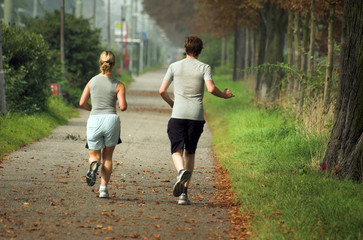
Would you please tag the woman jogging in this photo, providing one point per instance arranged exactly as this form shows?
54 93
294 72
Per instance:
187 120
103 125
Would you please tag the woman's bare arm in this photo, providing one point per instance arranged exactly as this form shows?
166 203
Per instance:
121 96
83 102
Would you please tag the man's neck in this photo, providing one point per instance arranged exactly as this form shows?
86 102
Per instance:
192 57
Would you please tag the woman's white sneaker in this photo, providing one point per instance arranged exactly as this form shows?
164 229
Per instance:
183 199
103 194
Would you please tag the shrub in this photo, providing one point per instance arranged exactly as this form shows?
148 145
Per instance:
28 69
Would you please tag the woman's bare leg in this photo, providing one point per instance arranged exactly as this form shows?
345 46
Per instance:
106 170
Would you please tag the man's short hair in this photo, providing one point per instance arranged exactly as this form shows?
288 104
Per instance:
193 45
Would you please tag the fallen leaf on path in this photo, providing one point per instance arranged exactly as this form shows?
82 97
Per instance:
130 236
108 228
85 226
183 229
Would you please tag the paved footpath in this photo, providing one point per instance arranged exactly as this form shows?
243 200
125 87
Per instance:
43 194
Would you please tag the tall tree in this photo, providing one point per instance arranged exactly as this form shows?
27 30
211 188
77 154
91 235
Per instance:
304 43
329 62
310 68
239 52
290 37
275 20
2 80
344 155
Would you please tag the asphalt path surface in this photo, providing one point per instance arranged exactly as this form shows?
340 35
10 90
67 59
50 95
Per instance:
44 194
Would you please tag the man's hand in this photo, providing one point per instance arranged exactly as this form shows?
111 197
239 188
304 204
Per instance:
228 93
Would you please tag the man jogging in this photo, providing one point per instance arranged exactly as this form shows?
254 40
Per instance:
187 120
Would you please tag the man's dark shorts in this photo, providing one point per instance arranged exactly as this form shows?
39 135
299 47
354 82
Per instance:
184 134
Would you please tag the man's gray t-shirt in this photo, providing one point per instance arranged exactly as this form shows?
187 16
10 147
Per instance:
189 76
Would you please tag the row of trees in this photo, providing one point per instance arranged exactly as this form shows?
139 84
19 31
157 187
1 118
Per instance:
260 29
290 46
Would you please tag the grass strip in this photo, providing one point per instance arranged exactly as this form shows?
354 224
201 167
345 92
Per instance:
272 165
17 130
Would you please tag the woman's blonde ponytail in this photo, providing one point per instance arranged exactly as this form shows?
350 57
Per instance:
107 61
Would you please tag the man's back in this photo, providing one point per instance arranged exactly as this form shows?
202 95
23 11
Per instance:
188 76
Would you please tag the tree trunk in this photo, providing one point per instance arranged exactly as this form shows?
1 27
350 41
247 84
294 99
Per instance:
344 155
253 47
235 51
297 48
303 67
223 52
2 79
289 46
276 21
329 64
342 45
254 56
257 47
261 44
248 51
297 45
228 55
290 37
305 43
312 39
239 53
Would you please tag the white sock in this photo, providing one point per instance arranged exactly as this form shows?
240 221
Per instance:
103 187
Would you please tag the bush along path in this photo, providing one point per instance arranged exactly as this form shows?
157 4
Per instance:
44 194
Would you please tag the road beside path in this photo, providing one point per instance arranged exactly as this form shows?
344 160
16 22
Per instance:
44 194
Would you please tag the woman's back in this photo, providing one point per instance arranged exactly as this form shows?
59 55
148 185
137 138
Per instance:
103 95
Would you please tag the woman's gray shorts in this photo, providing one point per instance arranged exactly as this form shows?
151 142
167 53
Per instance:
103 130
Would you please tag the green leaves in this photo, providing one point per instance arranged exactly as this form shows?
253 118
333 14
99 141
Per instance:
82 49
26 64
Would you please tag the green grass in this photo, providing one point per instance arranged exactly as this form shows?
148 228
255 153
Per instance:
269 159
17 130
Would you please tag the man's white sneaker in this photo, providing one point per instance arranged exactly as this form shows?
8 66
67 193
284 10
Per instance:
183 177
